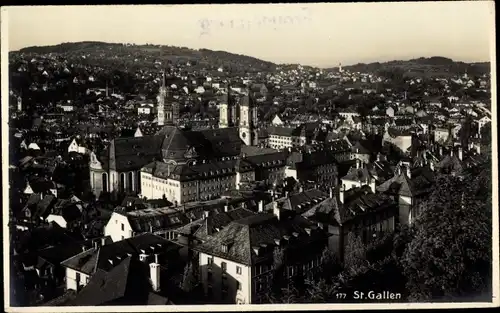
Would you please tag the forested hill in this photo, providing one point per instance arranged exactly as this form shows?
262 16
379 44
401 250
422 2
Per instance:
144 55
433 66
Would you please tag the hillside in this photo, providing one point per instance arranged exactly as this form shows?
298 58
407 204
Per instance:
129 55
433 66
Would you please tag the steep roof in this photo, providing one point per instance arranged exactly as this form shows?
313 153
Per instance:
258 232
126 283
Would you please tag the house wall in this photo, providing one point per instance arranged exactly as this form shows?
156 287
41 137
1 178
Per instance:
405 204
72 281
290 172
58 219
181 192
215 283
118 227
244 177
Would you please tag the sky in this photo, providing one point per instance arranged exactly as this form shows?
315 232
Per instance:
323 34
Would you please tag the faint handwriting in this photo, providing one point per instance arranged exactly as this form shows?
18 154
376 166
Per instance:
207 25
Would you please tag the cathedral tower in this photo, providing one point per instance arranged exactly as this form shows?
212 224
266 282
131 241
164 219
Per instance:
248 120
227 110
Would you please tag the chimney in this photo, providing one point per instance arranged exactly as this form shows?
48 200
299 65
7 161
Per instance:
276 210
226 208
301 189
431 165
103 241
451 152
440 151
341 194
206 214
460 153
96 245
261 205
331 192
372 184
358 164
155 275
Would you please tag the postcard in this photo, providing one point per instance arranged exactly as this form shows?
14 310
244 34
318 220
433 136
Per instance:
315 156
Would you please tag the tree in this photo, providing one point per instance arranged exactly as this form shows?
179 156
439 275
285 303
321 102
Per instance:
450 255
355 254
189 279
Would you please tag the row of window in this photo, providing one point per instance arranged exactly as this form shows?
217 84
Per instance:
223 265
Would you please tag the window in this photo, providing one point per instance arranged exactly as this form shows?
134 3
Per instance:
238 270
223 265
238 285
77 277
209 276
210 260
123 227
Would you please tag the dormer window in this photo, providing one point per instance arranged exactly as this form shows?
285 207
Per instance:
295 234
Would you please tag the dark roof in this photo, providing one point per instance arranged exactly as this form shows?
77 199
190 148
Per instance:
260 231
134 152
126 283
421 182
182 144
357 202
360 174
93 259
301 201
151 220
207 226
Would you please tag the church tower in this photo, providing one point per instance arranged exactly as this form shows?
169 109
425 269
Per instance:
161 102
248 120
227 111
340 67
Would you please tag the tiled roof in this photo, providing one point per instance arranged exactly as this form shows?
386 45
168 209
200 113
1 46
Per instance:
93 259
128 282
357 202
421 182
300 202
134 152
258 232
361 174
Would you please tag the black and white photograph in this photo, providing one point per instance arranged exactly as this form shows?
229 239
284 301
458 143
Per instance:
249 156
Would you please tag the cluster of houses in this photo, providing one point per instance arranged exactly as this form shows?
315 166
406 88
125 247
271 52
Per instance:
222 195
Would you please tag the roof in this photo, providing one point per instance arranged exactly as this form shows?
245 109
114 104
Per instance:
93 259
207 226
360 174
134 152
150 220
182 144
357 202
300 202
128 282
258 232
421 182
